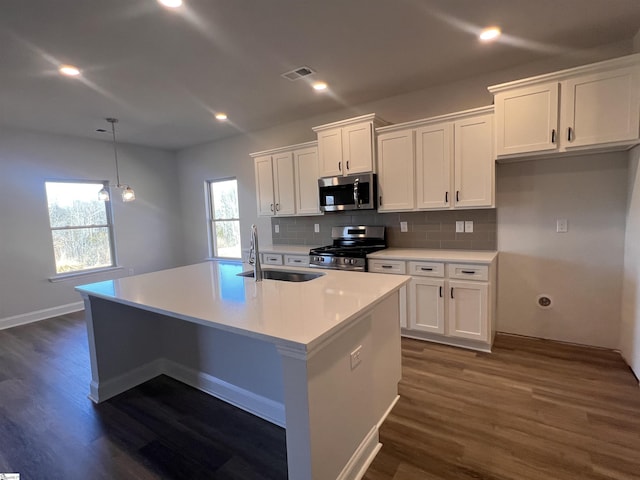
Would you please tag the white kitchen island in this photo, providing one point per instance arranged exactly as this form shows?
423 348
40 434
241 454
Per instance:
320 358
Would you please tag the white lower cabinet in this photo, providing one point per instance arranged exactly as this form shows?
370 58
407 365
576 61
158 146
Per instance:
447 302
468 310
426 307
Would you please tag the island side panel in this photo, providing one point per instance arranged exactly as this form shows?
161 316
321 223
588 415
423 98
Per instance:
333 408
125 346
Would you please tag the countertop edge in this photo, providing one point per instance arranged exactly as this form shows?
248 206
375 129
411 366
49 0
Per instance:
419 254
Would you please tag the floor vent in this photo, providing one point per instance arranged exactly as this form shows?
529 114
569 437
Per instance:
298 73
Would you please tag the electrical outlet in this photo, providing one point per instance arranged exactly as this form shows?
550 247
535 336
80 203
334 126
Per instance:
562 225
316 227
459 226
404 227
356 357
131 272
468 226
276 228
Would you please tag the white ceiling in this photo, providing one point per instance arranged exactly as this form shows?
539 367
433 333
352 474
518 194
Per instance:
164 72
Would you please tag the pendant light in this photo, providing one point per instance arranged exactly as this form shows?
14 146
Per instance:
128 194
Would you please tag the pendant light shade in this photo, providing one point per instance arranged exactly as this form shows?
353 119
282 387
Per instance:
128 195
103 195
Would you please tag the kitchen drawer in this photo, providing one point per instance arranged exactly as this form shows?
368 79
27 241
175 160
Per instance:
272 259
468 272
426 269
297 260
387 266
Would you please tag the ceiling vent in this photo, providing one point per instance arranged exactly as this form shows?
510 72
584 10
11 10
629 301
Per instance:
298 73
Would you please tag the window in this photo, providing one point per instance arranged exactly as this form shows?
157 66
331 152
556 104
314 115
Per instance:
81 226
224 218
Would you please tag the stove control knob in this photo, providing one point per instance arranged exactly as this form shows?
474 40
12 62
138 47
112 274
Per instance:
334 260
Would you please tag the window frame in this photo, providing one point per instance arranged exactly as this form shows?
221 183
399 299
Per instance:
211 220
109 226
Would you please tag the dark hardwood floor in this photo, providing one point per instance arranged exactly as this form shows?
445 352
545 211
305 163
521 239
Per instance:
533 409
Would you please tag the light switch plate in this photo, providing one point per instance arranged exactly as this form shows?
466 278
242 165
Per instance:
459 226
468 226
316 227
404 227
562 225
276 228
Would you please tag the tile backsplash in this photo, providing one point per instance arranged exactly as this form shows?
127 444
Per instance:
433 229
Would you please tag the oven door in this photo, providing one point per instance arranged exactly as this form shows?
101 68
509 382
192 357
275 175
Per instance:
352 192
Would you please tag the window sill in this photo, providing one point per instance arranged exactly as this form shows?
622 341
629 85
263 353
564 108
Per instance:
86 273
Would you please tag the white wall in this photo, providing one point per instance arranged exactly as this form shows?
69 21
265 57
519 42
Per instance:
581 270
630 326
148 231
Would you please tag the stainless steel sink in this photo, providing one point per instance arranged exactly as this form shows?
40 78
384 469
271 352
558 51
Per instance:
284 275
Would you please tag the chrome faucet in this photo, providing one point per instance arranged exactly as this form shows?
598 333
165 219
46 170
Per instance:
254 254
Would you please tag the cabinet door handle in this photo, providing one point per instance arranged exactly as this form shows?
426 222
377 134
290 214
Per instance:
380 200
426 269
340 166
271 207
457 196
468 272
553 136
446 197
451 292
347 164
440 292
386 266
277 207
569 134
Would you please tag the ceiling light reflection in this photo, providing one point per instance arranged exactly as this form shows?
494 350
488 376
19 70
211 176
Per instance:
69 70
489 34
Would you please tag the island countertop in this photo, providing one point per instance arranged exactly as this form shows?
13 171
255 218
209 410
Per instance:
298 315
423 254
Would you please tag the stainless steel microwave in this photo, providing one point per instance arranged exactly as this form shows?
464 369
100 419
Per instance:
351 192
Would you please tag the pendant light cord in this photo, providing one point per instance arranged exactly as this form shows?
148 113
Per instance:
113 121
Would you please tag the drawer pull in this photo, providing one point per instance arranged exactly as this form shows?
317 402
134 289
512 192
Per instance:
386 266
272 259
469 272
426 269
297 261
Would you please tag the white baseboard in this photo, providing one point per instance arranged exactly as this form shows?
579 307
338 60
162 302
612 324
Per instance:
38 315
122 383
263 407
359 462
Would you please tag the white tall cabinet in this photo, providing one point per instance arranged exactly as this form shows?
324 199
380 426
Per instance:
439 163
287 180
592 107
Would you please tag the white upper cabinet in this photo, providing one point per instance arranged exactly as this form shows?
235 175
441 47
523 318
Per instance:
287 180
527 119
452 157
594 107
601 108
434 166
396 171
474 168
264 185
306 181
347 147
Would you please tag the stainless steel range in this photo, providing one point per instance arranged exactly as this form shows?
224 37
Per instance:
349 249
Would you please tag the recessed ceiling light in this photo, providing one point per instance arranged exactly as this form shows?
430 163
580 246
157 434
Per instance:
171 3
221 116
489 34
320 86
69 70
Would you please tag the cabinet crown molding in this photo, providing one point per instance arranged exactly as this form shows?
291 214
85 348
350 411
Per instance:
606 65
284 149
371 117
439 119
